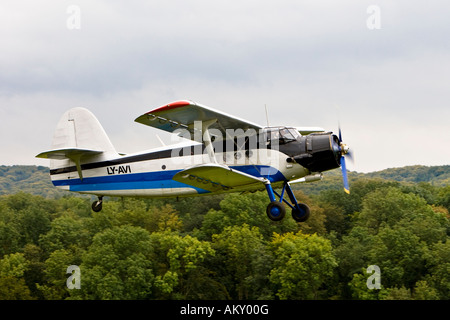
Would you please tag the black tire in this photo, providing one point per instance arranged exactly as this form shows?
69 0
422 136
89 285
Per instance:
276 211
301 215
97 206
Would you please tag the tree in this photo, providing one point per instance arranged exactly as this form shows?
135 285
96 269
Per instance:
399 254
66 231
237 209
118 265
165 218
438 263
360 291
34 274
177 258
237 251
444 197
316 221
301 266
352 252
133 211
388 207
423 291
335 220
9 238
224 247
55 269
12 283
29 216
394 231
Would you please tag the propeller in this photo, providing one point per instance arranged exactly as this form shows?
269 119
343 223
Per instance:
345 151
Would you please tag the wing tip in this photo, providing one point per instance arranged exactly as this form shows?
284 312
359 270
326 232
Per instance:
172 105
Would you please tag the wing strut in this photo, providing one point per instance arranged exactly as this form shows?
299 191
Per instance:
207 139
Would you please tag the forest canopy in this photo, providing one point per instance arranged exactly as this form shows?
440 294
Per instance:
224 246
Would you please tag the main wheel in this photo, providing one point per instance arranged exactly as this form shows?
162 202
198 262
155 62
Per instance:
301 215
97 206
275 211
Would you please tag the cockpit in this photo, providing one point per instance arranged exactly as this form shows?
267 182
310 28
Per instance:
281 134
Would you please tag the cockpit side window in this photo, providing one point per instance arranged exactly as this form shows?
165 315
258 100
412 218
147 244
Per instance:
295 133
286 136
282 136
274 135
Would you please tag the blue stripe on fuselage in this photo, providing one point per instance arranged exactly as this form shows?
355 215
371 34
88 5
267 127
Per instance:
153 180
146 180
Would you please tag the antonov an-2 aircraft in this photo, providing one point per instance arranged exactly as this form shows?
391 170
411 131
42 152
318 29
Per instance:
222 154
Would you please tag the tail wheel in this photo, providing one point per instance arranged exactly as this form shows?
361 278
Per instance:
97 205
301 213
275 211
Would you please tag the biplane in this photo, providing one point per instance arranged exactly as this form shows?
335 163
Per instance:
214 152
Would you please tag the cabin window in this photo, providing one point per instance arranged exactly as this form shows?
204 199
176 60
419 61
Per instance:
286 136
282 135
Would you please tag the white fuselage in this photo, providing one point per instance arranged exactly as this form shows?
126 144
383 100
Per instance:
150 173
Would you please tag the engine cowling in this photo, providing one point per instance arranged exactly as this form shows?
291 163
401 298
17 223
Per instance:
319 152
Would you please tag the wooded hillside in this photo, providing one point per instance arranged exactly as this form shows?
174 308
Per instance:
224 246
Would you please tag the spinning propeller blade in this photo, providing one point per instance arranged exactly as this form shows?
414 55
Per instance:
344 152
344 175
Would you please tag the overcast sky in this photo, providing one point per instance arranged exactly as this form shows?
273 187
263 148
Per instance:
380 68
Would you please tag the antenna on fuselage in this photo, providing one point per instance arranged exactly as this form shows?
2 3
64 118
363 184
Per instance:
267 115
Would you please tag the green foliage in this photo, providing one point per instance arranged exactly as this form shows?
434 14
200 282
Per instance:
12 284
224 246
237 209
438 263
437 175
237 251
176 259
29 179
302 265
396 231
118 265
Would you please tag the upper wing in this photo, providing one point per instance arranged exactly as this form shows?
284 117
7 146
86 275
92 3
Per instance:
183 114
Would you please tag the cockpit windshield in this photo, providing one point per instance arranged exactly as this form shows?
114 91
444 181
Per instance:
295 133
286 135
283 135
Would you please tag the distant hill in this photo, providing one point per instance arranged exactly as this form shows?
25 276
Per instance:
436 175
36 180
29 179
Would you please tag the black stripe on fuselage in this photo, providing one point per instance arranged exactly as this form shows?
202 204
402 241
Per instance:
163 154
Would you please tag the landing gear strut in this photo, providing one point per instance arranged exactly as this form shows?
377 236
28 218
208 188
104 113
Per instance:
276 211
97 205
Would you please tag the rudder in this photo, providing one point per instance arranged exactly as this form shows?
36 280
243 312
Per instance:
78 135
79 128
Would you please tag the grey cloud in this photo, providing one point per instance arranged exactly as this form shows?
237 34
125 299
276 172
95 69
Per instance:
302 59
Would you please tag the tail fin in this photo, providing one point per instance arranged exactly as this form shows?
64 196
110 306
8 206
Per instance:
78 135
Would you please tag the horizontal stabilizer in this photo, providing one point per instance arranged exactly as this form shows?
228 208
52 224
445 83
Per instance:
74 154
61 154
214 177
